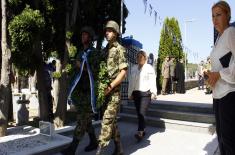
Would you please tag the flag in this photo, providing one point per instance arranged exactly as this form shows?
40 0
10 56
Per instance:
145 5
155 14
150 9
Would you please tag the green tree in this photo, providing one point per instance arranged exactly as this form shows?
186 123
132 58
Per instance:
170 45
5 85
79 14
32 33
96 14
58 37
26 41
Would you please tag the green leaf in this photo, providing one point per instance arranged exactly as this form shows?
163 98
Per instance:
102 83
56 75
24 30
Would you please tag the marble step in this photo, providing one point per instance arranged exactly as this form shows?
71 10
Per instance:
172 114
178 106
206 128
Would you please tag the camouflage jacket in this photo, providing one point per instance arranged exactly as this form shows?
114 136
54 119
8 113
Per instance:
116 59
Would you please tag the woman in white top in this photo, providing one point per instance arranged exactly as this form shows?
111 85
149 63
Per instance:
221 78
142 87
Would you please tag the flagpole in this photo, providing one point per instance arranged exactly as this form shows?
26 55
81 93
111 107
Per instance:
121 22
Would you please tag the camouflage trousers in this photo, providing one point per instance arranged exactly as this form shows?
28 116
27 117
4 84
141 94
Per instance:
109 128
84 121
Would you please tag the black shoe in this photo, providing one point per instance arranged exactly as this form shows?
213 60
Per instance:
118 153
139 136
71 149
118 148
93 142
91 147
68 151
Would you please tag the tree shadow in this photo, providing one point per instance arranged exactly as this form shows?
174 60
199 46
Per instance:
129 142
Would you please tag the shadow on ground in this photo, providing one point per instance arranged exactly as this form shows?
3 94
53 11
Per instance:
130 144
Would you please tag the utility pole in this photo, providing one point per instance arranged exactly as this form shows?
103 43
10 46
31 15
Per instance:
185 43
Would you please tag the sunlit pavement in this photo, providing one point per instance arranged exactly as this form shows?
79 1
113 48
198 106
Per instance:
193 95
160 141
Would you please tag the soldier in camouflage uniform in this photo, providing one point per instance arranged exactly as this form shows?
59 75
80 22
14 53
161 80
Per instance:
117 69
81 95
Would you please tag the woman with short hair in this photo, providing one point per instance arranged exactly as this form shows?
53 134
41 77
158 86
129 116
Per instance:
142 88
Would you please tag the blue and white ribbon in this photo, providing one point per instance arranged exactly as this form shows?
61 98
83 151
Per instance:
92 83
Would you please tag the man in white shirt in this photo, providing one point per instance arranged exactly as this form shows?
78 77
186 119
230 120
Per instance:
200 76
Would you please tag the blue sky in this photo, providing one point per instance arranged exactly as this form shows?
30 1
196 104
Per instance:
199 32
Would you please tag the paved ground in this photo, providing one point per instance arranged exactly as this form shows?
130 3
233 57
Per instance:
159 141
165 142
193 95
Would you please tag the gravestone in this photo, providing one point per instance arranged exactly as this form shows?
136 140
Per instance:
22 111
46 128
27 140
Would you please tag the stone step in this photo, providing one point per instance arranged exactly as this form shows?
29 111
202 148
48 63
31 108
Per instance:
69 129
206 128
177 115
179 106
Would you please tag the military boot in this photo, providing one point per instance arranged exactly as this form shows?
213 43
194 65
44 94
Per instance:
72 148
93 143
118 148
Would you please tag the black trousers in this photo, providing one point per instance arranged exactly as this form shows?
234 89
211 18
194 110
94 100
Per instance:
224 109
201 82
172 86
141 100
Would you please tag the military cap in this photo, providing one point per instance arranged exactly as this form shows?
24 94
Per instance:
89 30
113 25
